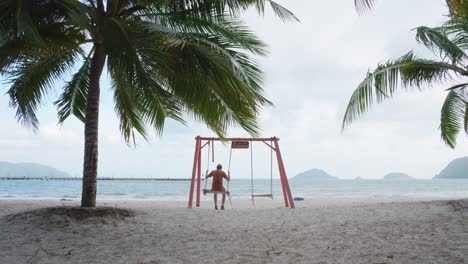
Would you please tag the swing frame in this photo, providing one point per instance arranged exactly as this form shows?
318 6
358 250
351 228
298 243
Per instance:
201 142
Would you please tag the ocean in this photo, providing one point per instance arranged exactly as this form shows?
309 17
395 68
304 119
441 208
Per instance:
240 188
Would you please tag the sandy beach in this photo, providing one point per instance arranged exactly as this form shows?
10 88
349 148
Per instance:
317 231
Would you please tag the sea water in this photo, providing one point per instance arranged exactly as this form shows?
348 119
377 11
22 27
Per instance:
239 188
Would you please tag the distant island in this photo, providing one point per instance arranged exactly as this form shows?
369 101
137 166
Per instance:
314 174
398 176
456 169
29 170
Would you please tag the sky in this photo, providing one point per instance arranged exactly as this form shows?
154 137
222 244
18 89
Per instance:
311 71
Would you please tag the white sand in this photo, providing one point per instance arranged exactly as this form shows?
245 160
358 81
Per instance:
318 231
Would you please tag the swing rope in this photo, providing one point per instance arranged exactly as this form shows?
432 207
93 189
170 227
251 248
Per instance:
229 168
251 174
252 194
271 172
207 163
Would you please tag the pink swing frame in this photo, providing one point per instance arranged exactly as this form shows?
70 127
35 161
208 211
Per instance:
201 142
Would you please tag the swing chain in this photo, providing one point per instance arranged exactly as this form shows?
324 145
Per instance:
251 174
229 167
271 173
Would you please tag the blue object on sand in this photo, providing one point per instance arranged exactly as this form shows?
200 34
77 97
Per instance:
298 198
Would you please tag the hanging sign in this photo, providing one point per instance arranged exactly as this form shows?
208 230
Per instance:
240 145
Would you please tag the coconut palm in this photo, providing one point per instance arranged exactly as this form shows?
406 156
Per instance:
165 59
449 43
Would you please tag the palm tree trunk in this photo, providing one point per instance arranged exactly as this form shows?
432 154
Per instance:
90 162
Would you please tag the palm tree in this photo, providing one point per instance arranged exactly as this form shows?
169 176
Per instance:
165 59
448 42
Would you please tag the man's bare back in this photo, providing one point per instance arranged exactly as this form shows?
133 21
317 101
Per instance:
217 185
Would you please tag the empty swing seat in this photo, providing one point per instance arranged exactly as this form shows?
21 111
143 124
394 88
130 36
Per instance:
269 195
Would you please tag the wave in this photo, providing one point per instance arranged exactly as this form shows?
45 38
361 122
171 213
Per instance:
116 194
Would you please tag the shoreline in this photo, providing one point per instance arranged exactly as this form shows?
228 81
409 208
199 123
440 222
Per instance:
277 200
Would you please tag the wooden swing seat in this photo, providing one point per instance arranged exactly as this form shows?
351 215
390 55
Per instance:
269 195
205 191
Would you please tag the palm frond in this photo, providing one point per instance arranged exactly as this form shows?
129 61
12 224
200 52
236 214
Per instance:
140 97
437 40
14 51
205 57
283 13
457 87
27 20
222 99
465 119
32 78
409 71
364 6
74 97
36 48
26 28
210 9
452 117
457 29
127 107
232 30
457 8
78 14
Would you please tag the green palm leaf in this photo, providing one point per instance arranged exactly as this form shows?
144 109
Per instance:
408 71
32 78
227 80
449 41
364 6
436 39
453 117
73 99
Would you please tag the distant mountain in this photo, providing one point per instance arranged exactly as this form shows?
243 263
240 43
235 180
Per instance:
457 169
31 170
314 174
398 176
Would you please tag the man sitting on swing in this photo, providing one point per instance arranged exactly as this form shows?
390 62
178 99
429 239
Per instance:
217 185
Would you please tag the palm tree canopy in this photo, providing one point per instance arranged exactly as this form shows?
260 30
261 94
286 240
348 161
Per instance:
449 43
164 58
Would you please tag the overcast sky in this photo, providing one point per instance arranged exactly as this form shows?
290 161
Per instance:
312 69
